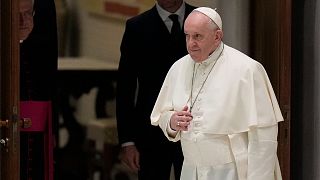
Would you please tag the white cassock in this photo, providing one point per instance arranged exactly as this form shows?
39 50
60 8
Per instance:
233 134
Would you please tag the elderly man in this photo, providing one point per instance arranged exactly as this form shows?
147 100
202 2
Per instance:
38 66
26 18
221 105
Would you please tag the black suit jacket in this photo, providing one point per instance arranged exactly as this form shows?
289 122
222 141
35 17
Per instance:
39 55
147 53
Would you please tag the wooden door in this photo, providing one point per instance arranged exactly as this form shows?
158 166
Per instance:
271 45
9 91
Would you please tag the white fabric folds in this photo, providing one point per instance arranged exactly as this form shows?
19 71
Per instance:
237 95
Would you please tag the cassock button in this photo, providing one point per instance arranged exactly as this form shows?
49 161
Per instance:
196 124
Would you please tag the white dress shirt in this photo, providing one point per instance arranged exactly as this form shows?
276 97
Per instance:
165 15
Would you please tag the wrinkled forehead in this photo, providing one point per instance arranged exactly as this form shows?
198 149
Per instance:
26 4
27 1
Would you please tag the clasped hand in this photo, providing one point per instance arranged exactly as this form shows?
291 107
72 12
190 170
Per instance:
180 120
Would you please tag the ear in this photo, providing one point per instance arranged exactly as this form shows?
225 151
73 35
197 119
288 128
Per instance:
219 35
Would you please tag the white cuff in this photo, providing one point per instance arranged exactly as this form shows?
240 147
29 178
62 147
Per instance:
127 144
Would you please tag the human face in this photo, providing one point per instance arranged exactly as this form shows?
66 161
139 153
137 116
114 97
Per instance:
26 18
201 37
170 5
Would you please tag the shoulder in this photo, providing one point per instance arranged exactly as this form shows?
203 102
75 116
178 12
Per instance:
182 63
239 58
144 17
189 8
180 67
237 61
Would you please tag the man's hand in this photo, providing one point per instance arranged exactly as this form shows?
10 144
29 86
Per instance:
130 156
180 120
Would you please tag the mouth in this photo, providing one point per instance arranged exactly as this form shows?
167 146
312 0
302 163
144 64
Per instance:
24 28
194 50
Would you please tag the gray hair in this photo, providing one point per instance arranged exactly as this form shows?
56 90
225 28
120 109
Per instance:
212 25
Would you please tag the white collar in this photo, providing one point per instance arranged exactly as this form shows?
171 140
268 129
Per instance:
214 56
164 14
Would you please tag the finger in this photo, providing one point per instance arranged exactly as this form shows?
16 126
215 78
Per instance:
134 167
185 119
184 128
124 159
127 163
137 161
185 108
184 113
183 124
127 159
134 162
130 164
178 123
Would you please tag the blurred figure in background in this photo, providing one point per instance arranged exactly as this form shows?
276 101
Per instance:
151 43
38 67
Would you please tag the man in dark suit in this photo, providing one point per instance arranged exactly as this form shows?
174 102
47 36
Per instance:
149 47
38 66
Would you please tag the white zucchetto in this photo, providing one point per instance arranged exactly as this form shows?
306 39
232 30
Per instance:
212 14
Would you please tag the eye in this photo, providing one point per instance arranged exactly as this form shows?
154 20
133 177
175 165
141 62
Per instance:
187 36
198 37
28 13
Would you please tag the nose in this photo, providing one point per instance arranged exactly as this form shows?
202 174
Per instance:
191 42
23 19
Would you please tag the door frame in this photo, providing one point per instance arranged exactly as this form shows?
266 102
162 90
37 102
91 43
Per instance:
271 45
9 81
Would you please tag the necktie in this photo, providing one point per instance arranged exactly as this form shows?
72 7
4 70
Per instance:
175 29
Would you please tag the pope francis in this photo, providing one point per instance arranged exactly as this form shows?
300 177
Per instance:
220 103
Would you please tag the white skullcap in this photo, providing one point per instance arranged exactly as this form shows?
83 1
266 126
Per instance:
212 14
